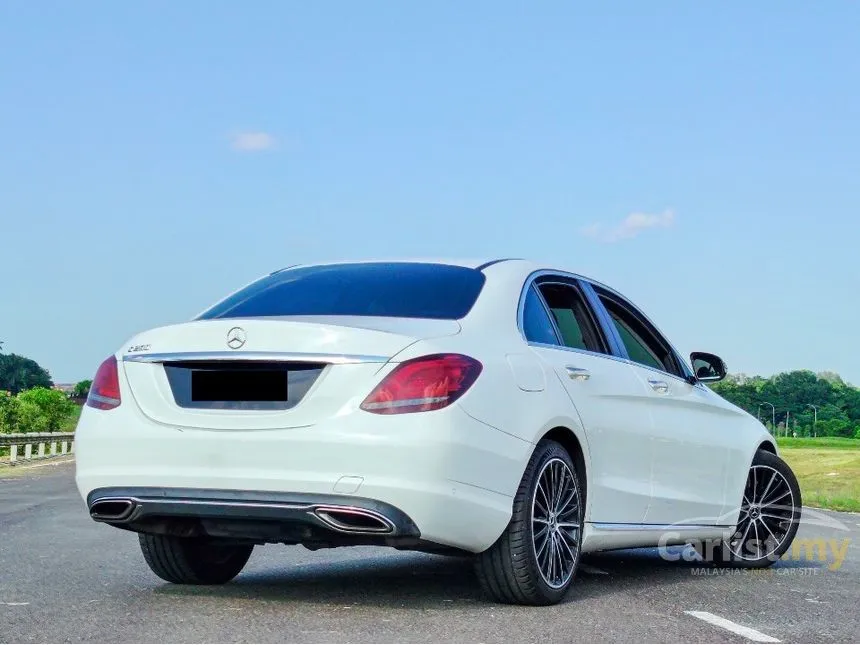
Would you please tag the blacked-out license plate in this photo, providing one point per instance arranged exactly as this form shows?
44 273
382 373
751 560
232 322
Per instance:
239 385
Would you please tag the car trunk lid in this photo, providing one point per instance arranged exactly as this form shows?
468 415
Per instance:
264 373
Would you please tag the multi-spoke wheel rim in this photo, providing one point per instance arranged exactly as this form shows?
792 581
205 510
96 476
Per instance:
766 516
556 523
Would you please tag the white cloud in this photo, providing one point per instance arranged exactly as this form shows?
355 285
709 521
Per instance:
252 141
630 226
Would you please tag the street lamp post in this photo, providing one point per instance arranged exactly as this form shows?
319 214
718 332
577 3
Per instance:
772 414
814 418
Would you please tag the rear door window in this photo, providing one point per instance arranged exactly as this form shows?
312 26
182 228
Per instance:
573 318
391 289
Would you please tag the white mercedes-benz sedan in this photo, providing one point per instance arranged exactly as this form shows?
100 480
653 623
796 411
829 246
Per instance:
504 409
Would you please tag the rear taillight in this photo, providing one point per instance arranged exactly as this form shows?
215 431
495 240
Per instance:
104 392
422 384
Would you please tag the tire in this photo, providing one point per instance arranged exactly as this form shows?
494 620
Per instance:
510 570
768 520
193 561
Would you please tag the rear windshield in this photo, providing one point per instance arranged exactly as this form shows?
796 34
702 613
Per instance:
403 290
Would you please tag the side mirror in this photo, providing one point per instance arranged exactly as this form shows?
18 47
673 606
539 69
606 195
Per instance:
708 368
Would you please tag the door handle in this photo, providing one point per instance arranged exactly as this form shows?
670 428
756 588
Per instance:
577 373
661 387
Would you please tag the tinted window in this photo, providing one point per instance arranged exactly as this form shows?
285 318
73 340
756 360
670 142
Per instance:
404 290
644 345
637 347
537 325
572 317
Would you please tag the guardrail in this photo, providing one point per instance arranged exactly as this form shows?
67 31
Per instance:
65 440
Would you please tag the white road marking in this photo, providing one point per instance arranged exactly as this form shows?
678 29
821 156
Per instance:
14 604
747 632
587 568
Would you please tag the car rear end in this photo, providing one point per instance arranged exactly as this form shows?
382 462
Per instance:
289 413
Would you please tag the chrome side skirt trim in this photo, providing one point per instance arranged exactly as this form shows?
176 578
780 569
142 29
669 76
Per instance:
608 526
298 357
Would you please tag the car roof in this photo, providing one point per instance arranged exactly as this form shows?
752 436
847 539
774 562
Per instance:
471 263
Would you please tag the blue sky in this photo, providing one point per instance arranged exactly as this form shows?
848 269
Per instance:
701 157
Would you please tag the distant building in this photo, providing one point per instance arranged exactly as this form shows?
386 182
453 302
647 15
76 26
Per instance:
68 388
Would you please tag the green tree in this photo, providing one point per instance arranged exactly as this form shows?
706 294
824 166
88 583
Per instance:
741 390
829 411
834 428
31 418
82 389
848 398
18 373
53 405
793 394
10 411
831 377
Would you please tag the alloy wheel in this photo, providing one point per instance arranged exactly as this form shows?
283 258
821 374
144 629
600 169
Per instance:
766 515
556 524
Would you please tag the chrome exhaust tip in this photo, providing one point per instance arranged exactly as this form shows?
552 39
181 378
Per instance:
347 519
112 510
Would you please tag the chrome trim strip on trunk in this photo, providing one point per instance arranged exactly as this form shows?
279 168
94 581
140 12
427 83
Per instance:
285 357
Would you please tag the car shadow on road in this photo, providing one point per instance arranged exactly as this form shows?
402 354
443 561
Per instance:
420 581
407 579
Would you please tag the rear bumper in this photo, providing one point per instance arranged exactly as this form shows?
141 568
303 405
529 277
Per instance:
440 478
260 516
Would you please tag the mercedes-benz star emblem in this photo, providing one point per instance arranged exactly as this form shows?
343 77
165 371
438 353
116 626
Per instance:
236 338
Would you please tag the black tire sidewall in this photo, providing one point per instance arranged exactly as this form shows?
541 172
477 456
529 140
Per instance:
523 512
227 567
187 560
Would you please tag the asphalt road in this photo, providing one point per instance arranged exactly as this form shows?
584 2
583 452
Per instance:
65 578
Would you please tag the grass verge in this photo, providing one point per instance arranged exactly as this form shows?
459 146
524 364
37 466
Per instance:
829 474
818 442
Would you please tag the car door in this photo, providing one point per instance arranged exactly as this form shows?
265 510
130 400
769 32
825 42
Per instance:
562 330
691 441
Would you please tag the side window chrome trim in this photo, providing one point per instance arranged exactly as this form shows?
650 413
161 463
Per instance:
620 359
577 350
658 371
